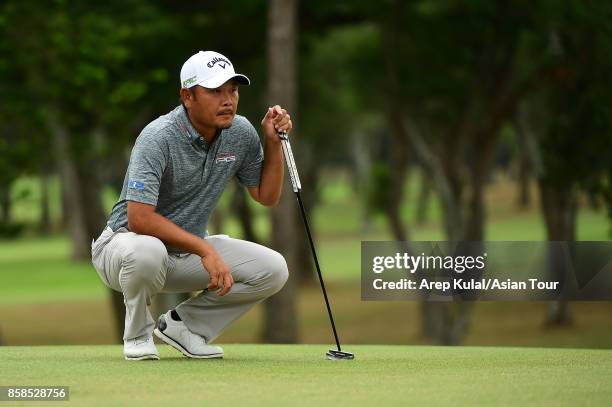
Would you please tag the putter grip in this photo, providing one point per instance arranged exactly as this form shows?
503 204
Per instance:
288 153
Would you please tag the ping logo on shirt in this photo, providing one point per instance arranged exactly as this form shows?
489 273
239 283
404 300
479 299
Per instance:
225 158
135 185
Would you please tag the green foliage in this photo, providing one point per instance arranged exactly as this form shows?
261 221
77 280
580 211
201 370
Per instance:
576 146
334 100
114 65
379 186
92 63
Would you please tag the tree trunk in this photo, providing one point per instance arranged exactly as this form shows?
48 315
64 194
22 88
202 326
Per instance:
280 317
74 212
524 196
95 218
79 191
448 323
399 152
437 318
559 210
89 177
118 306
444 171
480 171
399 160
423 199
45 215
362 164
527 161
5 203
558 202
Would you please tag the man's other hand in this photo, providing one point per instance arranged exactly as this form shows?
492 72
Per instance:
219 272
275 121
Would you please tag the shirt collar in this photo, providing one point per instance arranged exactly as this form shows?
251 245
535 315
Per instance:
186 127
189 131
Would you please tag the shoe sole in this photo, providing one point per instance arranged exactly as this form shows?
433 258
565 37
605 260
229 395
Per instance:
184 351
143 357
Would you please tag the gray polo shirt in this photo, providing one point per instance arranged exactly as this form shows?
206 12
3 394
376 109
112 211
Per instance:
174 169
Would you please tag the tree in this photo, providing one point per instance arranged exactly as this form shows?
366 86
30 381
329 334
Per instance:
280 314
567 122
88 69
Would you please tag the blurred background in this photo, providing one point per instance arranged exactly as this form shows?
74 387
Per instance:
414 120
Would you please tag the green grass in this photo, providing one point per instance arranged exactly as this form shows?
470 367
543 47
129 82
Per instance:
39 270
297 375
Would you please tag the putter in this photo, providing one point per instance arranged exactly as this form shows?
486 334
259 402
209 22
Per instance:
332 354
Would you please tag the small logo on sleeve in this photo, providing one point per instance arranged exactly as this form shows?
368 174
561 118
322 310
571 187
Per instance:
136 185
225 158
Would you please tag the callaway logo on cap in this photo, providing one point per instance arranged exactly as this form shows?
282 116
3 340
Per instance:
210 70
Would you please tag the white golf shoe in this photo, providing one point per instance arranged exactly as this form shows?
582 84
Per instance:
176 334
141 348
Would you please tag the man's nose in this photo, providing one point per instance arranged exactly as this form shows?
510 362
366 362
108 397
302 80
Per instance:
227 99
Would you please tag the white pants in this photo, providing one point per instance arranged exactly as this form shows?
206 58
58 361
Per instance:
139 266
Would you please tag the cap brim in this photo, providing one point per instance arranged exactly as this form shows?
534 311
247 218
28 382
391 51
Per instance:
213 83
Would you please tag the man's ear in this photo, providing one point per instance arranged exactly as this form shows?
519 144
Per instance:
186 96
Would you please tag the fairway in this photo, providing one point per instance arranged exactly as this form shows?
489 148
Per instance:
298 375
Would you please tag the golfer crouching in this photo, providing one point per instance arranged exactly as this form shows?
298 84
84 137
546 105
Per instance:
156 240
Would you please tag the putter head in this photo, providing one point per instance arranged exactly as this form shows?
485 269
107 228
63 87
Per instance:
334 354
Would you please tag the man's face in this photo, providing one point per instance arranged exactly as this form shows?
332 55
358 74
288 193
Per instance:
212 109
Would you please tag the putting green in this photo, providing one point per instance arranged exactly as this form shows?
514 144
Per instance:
291 375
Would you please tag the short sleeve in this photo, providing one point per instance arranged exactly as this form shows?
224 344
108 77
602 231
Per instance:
147 164
249 174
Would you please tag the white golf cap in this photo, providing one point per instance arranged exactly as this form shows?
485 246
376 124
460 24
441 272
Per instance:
210 70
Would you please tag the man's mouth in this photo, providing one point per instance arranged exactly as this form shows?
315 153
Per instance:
226 113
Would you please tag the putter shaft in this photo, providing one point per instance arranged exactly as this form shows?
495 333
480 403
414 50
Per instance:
295 181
